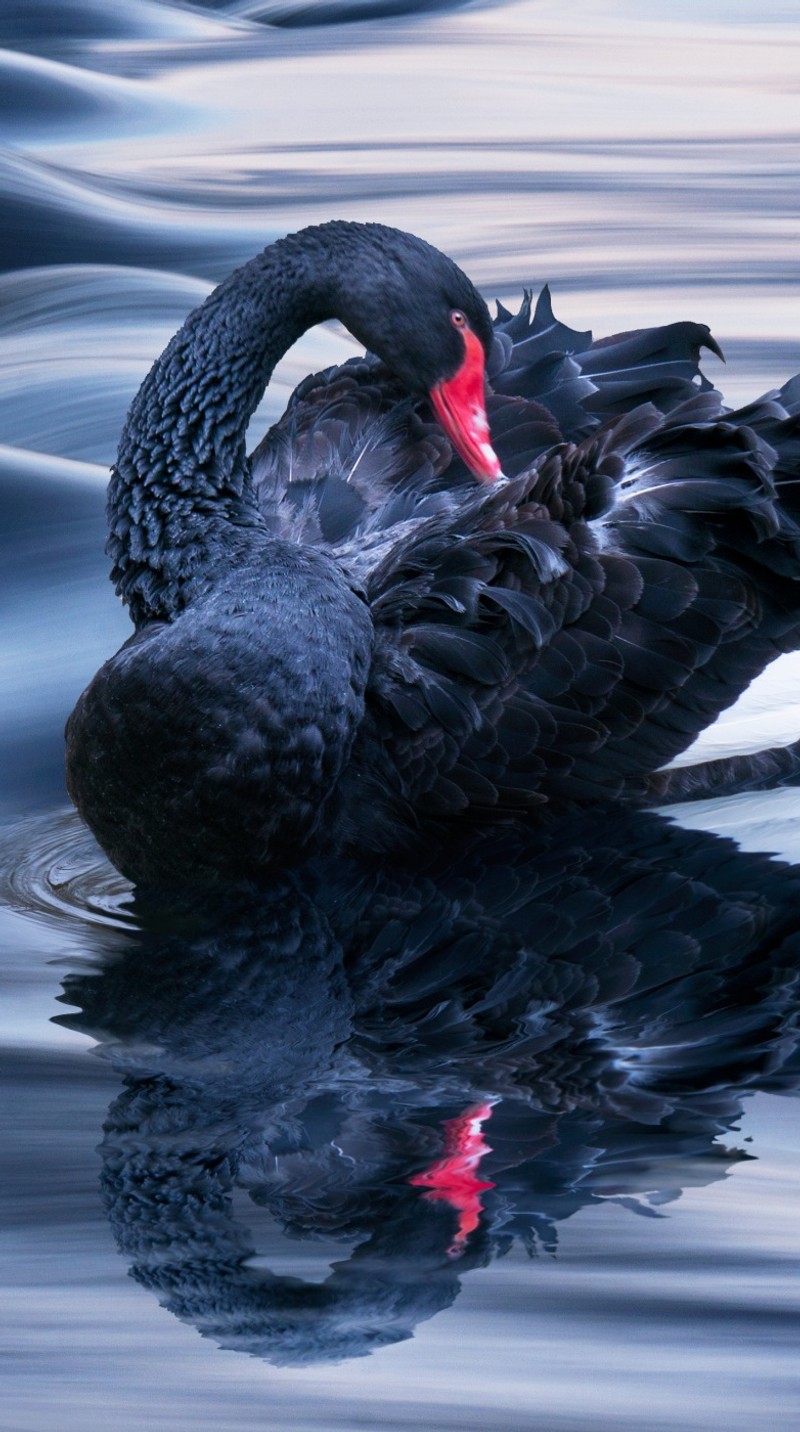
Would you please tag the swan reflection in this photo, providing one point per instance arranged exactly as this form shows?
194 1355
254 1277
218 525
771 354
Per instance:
425 1064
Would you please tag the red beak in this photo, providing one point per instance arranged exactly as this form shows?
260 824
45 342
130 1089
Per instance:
460 406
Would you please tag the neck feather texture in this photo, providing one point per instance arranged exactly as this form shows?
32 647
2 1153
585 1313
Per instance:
180 502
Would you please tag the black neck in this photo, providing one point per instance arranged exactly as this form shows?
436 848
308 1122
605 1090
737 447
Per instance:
180 499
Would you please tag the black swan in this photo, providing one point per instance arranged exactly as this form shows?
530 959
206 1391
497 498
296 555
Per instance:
347 638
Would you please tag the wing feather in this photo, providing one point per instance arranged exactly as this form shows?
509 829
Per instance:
560 635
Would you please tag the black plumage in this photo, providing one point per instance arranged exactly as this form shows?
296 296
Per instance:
346 639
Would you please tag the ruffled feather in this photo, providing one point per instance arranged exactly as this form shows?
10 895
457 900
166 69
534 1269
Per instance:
563 634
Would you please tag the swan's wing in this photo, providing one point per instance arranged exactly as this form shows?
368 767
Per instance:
568 632
708 514
582 381
353 457
339 461
563 636
468 607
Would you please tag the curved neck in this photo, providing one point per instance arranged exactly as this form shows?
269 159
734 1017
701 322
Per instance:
180 501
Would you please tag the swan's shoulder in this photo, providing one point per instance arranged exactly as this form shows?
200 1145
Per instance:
351 455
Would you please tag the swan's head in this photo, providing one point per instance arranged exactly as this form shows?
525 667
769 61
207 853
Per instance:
413 307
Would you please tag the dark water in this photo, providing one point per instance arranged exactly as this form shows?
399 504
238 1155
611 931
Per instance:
509 1142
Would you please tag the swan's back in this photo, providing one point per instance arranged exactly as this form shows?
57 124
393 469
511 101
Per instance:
561 636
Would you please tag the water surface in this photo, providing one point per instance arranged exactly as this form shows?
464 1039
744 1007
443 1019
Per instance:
631 1070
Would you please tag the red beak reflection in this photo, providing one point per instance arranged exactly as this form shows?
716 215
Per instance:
454 1179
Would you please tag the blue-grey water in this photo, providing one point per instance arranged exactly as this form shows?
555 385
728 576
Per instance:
234 1101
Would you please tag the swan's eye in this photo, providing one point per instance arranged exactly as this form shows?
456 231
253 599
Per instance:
457 318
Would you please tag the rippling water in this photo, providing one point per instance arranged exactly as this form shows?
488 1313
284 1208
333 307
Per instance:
354 1187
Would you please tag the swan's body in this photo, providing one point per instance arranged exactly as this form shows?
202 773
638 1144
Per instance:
348 639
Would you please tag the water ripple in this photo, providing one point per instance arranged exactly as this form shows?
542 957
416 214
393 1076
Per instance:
51 869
